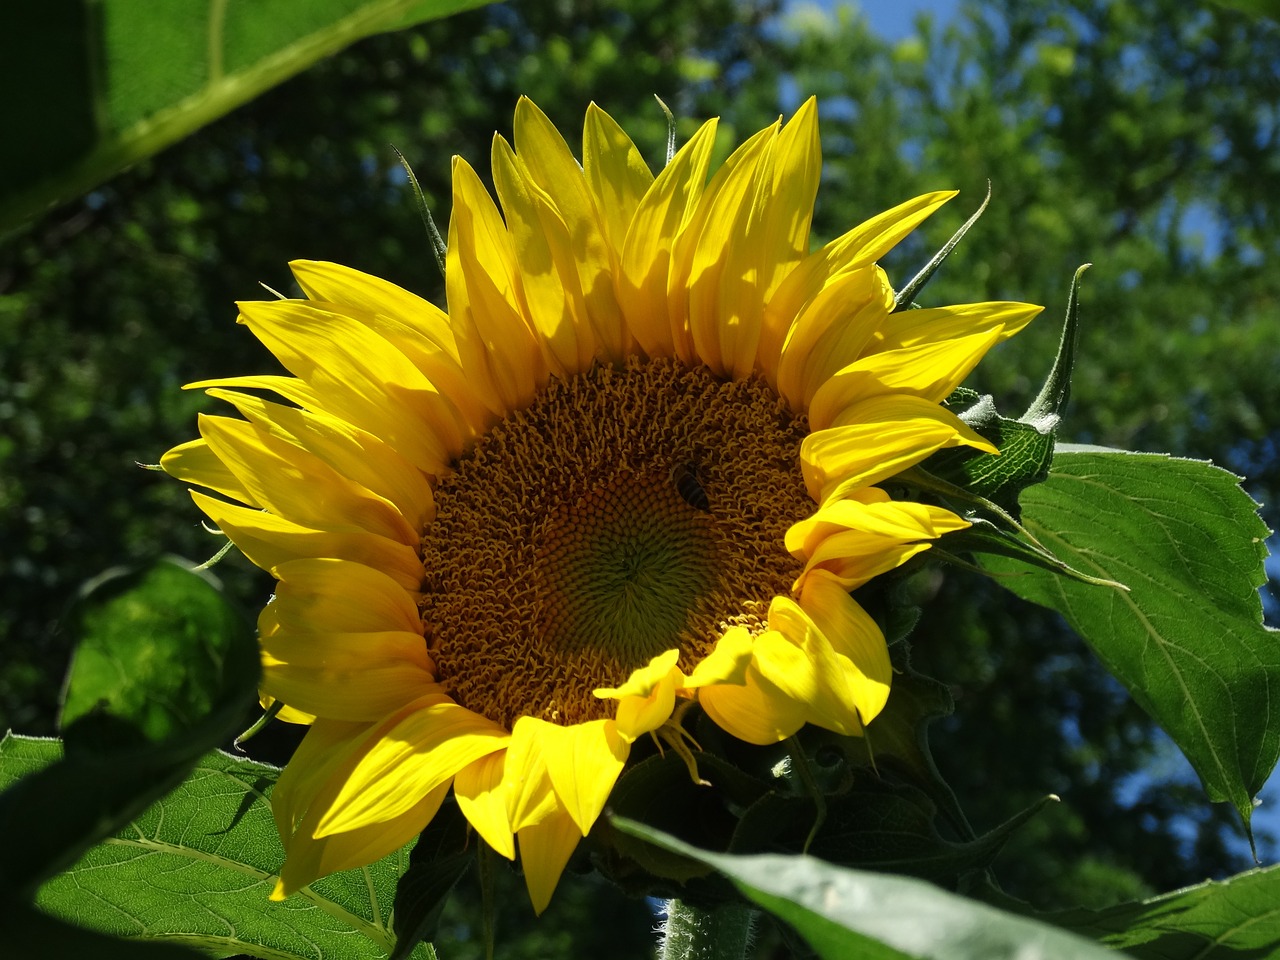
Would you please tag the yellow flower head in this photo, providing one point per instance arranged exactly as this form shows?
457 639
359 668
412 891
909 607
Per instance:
634 464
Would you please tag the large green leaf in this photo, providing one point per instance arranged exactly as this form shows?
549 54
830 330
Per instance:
1186 638
197 869
873 916
95 86
1228 920
129 742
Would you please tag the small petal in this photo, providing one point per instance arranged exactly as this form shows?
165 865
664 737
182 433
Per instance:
583 761
478 789
545 849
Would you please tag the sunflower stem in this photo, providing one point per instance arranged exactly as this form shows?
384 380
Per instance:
696 933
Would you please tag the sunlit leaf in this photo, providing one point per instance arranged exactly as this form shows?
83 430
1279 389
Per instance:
1186 638
846 913
198 866
1228 920
105 84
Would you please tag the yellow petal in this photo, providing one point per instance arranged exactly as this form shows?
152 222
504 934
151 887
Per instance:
290 388
914 327
802 665
646 252
414 326
310 858
347 676
782 233
269 541
931 371
852 559
319 594
551 166
831 331
299 486
194 462
361 378
647 698
616 173
496 344
583 761
884 520
754 711
860 247
322 750
545 849
354 453
525 781
853 541
415 321
700 288
853 635
286 713
638 715
643 680
545 256
727 662
477 788
879 438
411 753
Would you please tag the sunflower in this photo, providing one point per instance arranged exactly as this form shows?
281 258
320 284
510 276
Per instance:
634 465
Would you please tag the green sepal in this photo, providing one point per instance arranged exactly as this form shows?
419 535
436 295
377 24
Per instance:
1024 459
905 298
1046 410
439 248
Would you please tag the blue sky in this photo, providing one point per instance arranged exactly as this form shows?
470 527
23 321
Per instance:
892 19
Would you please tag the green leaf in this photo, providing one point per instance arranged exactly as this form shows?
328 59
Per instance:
197 869
846 913
157 648
109 83
1227 920
1186 639
440 857
26 932
113 770
877 825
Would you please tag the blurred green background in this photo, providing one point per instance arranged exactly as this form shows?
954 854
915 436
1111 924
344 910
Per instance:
1139 136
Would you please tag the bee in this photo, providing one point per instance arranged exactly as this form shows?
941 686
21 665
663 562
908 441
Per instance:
685 477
